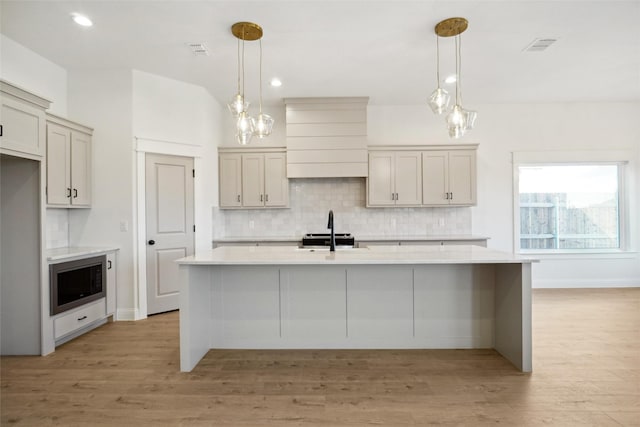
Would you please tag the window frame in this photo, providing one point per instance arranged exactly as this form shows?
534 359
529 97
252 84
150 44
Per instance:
622 159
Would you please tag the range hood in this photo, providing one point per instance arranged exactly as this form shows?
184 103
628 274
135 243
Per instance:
326 137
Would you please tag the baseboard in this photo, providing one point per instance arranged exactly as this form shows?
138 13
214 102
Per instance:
127 314
586 283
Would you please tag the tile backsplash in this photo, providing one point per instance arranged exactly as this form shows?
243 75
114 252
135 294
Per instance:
57 228
311 200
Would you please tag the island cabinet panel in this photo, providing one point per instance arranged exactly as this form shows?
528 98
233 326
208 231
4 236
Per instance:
380 314
314 304
454 307
246 306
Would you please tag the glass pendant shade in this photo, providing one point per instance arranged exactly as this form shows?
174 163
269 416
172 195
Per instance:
439 101
237 105
263 125
456 122
245 127
470 119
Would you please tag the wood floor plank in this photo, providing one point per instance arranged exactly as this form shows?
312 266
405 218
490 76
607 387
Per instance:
586 361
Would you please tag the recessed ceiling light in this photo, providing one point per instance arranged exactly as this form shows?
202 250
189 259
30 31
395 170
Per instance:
81 20
451 79
275 82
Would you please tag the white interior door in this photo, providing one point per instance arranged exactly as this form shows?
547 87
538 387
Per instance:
170 227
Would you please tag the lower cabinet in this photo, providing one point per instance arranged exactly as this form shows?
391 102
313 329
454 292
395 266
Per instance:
77 319
111 284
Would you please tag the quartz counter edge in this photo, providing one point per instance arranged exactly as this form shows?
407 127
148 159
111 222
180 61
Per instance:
391 255
71 253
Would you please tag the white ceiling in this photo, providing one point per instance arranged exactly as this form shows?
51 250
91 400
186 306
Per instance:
382 49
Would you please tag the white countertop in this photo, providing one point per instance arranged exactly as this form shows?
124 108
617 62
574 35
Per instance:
74 252
291 255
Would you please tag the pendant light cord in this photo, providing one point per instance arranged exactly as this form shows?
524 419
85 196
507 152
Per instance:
243 63
260 76
238 65
458 79
438 60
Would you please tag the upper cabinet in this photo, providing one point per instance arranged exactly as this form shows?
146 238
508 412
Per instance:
422 176
22 131
449 178
253 179
395 178
68 163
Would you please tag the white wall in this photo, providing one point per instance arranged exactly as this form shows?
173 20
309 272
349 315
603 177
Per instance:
34 73
102 99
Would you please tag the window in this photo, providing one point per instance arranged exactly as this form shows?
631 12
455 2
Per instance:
569 207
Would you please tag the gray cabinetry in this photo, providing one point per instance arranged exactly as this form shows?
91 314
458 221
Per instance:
68 163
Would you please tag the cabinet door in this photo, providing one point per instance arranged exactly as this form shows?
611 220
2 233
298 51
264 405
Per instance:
408 178
80 169
111 283
230 182
435 180
380 183
276 184
462 177
252 180
23 127
58 167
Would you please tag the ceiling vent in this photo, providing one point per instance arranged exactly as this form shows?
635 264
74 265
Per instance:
538 45
198 49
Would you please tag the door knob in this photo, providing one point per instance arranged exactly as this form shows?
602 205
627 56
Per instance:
152 242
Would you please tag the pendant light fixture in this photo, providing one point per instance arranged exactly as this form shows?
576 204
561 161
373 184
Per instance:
459 120
247 126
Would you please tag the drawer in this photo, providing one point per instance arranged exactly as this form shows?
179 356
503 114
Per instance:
78 318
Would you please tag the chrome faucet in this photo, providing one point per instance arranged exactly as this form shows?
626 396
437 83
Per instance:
332 248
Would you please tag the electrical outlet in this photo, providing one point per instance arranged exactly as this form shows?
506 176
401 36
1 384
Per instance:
251 225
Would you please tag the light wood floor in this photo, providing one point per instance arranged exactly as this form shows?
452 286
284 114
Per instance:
586 365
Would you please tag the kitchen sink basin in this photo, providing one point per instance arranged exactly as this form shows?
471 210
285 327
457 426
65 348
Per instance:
325 249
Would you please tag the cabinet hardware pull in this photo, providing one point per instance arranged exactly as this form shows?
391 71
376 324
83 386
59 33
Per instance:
75 193
82 318
68 192
266 198
0 130
451 197
238 198
261 197
446 196
109 264
151 242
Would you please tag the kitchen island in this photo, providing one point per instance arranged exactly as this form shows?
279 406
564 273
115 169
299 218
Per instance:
367 298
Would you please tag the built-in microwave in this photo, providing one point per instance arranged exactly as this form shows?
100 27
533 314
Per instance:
75 283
